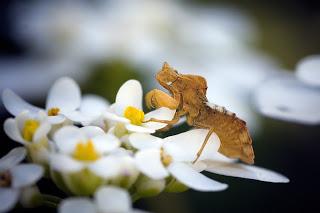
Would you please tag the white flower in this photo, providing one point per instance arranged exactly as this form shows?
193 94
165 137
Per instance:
87 157
160 158
106 200
292 97
91 111
127 109
31 130
27 128
308 70
14 177
63 98
79 148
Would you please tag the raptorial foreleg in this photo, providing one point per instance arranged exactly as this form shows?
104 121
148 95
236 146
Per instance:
157 98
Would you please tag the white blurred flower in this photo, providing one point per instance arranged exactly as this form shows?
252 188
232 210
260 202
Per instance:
160 158
101 29
63 98
31 130
15 177
289 98
106 199
127 109
308 70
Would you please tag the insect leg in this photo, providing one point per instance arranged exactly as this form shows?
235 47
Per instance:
203 145
170 122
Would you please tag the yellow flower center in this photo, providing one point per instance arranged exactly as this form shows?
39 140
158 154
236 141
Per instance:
53 111
30 127
85 152
165 158
135 115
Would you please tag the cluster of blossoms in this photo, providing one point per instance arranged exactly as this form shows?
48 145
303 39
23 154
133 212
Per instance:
89 147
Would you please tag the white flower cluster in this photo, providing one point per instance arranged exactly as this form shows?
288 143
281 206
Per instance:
90 147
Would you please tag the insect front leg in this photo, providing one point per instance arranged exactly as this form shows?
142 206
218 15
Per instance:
157 98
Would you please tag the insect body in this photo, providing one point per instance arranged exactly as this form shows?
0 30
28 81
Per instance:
188 98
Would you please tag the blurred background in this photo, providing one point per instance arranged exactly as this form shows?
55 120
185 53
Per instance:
247 50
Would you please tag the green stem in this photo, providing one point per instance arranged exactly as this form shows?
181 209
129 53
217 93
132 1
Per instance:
135 197
50 200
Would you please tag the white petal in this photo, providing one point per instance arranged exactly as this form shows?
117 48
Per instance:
105 143
57 119
11 129
193 179
184 146
129 94
199 166
8 199
106 167
78 116
78 205
149 163
22 118
288 99
308 70
141 129
41 132
93 105
15 105
112 199
64 163
68 137
113 117
162 113
92 131
245 171
14 157
64 94
26 175
144 141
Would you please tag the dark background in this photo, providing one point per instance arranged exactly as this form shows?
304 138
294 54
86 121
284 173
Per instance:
289 31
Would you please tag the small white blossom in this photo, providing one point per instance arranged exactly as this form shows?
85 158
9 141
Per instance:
127 109
78 148
159 158
90 152
63 98
106 200
31 130
15 177
173 156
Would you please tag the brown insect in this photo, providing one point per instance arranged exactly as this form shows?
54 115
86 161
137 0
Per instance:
188 98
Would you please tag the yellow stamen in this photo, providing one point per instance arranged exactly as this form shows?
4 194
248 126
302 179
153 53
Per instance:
135 115
53 111
165 158
30 127
85 152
